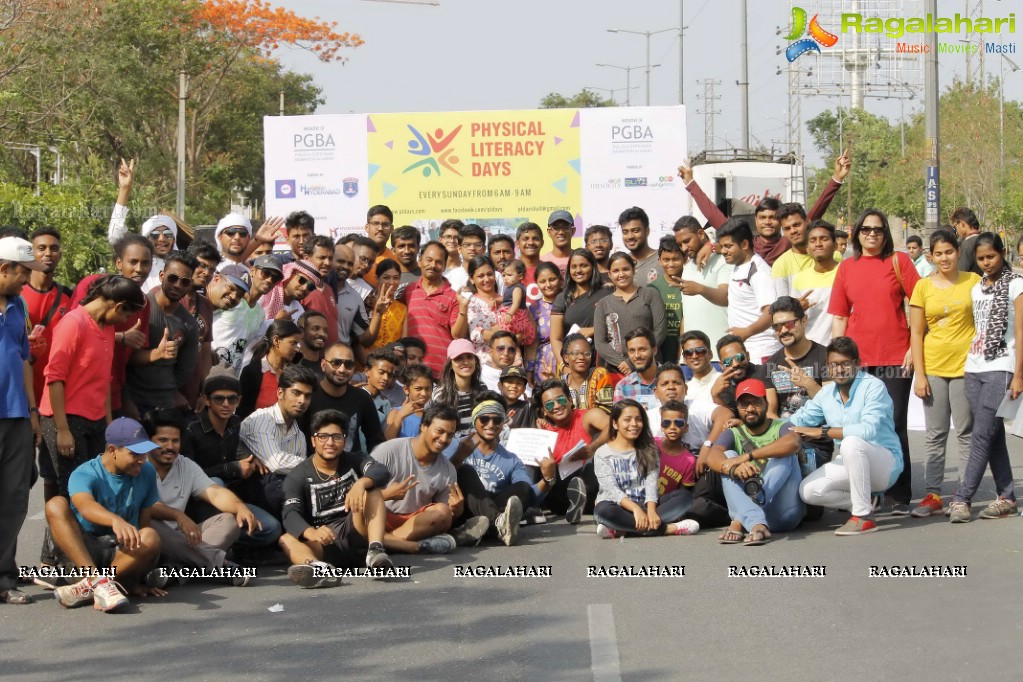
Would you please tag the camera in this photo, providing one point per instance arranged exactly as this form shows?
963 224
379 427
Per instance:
754 489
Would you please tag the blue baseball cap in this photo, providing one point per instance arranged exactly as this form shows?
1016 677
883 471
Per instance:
128 433
237 275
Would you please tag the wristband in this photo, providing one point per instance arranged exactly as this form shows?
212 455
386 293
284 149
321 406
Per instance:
707 444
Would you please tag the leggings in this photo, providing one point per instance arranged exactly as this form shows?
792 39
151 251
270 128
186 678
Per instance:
899 388
670 508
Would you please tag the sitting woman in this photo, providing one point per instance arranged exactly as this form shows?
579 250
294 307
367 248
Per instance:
627 469
589 386
580 433
460 387
276 350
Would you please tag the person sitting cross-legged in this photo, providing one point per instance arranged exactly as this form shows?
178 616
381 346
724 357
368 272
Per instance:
333 508
760 470
107 522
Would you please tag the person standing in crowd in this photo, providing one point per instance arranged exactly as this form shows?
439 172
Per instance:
671 259
314 338
404 421
236 329
704 287
335 392
157 375
994 368
299 228
598 242
841 243
750 290
736 367
627 468
483 302
867 304
501 250
18 430
278 350
207 260
439 312
967 228
162 232
472 241
379 226
641 349
405 243
561 229
635 226
448 238
351 309
697 354
573 308
284 301
460 385
529 240
915 249
855 411
549 282
502 354
627 308
814 284
394 312
319 252
941 328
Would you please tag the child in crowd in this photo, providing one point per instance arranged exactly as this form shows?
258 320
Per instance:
678 464
404 421
627 469
514 314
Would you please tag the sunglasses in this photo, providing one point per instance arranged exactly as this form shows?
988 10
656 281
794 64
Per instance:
872 230
306 283
679 423
561 401
225 399
347 364
787 324
490 420
173 280
691 352
236 232
324 437
272 275
505 349
157 234
737 358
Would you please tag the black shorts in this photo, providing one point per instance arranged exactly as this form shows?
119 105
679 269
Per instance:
349 547
101 548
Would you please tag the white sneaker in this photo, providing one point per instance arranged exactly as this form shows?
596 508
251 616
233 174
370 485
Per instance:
687 527
605 533
107 595
76 594
508 522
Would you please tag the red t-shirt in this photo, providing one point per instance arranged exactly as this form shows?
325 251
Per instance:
322 301
81 357
431 317
39 304
868 293
570 437
122 353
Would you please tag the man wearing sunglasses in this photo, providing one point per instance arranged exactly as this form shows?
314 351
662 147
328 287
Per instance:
210 439
503 351
736 367
235 329
236 239
697 353
157 374
334 392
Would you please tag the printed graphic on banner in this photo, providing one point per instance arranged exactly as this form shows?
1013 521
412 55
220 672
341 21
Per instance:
496 168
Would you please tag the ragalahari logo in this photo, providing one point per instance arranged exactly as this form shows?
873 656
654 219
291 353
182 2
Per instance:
436 148
818 36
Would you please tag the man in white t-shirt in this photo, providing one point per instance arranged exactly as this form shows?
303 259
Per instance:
696 354
750 290
817 281
704 289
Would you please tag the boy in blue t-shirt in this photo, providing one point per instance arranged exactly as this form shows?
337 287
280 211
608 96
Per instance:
106 524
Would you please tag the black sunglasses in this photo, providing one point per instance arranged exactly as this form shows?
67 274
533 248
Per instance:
173 279
690 352
347 364
236 232
225 399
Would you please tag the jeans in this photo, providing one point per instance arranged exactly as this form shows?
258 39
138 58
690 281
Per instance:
670 508
899 388
481 502
985 391
947 401
847 480
782 510
271 526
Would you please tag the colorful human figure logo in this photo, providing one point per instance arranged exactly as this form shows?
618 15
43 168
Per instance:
437 150
818 36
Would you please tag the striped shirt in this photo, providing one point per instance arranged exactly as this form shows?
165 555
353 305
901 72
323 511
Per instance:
431 317
277 446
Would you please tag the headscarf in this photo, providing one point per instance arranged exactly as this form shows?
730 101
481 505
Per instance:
489 407
231 220
273 300
160 221
995 345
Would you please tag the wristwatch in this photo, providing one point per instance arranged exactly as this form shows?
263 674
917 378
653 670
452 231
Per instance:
824 431
707 444
550 481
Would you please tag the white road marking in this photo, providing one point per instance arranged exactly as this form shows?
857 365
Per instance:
603 644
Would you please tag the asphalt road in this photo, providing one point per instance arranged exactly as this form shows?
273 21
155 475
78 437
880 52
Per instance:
703 625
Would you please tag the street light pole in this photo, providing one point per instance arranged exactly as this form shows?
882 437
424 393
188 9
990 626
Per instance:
628 75
647 34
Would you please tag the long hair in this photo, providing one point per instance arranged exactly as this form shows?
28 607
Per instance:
278 328
647 454
447 389
475 264
571 288
887 249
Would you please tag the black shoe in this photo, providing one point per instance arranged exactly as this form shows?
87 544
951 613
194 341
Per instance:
576 500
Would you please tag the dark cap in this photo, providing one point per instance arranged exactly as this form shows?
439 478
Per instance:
564 216
514 372
237 275
269 262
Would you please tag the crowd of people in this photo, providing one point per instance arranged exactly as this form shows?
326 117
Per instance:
223 405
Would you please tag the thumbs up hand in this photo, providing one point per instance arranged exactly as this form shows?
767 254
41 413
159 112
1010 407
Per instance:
167 349
134 338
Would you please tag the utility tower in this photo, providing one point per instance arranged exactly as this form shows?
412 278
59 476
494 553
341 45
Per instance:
709 112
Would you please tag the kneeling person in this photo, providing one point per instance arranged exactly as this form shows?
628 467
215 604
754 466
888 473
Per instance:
107 523
333 506
760 470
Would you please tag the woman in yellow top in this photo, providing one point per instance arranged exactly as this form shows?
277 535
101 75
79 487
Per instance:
941 328
392 323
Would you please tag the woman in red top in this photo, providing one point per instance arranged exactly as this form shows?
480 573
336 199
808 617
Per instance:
867 304
278 349
75 405
569 495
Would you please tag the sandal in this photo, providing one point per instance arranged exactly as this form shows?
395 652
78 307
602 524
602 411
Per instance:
16 596
757 538
731 537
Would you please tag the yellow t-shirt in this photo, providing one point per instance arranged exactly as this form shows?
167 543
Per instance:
949 315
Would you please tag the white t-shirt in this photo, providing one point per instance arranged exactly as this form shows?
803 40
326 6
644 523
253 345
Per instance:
697 311
701 419
750 289
975 361
699 389
234 332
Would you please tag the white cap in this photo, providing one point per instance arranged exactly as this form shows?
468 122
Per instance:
232 220
19 251
160 221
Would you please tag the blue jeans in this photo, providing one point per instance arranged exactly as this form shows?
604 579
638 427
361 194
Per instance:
783 509
261 538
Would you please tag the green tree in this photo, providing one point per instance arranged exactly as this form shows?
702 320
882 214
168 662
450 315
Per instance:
584 99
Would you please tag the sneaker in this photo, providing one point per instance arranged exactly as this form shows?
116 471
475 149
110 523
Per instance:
929 505
378 559
576 500
471 532
438 544
899 509
76 594
999 509
305 575
533 516
959 512
857 526
508 522
605 533
107 595
239 579
687 527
